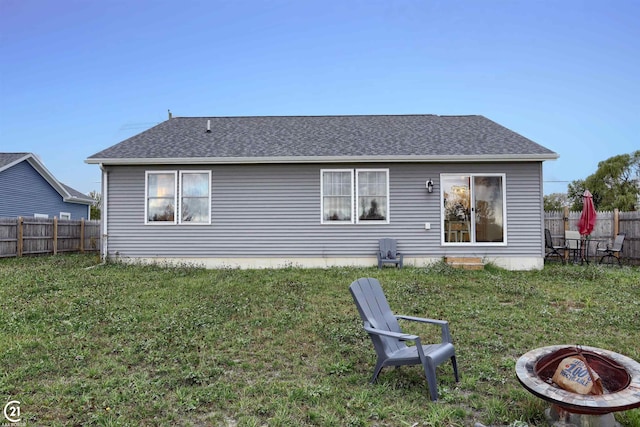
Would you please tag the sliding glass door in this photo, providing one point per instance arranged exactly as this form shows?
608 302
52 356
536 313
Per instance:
473 208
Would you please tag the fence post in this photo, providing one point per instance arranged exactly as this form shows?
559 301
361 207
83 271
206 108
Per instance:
82 236
55 235
616 222
19 241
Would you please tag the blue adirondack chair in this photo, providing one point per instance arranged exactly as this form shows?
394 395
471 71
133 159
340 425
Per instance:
388 253
390 342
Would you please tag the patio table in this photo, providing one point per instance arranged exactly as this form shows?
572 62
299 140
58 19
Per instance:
580 249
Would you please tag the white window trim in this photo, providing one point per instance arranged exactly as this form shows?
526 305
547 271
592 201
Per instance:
473 227
65 215
179 205
355 205
146 197
41 216
322 220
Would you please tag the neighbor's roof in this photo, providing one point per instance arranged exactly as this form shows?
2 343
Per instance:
305 139
8 160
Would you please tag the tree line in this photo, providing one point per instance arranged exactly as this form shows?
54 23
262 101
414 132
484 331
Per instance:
614 185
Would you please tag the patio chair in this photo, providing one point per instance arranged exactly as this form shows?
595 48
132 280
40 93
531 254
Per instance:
572 240
388 253
550 249
390 342
612 252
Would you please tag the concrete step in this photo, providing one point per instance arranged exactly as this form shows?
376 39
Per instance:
467 263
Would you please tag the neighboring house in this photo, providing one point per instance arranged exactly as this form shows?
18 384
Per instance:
28 189
321 191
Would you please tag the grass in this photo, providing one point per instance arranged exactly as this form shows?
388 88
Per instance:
122 345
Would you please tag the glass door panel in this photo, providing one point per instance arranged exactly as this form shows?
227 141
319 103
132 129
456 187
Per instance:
489 208
457 205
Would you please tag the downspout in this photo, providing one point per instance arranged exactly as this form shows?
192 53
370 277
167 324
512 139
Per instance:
104 216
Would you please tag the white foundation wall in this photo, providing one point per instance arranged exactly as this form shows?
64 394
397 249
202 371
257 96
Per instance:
266 263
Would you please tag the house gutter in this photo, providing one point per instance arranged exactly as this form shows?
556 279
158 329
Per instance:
326 159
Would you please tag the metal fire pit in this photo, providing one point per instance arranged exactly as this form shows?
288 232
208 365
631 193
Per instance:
620 376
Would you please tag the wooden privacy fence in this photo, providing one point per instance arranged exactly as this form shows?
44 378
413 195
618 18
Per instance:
29 236
608 225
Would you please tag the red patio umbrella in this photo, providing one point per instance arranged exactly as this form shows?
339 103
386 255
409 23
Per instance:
588 217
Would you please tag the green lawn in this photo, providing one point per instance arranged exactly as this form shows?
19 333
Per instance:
140 345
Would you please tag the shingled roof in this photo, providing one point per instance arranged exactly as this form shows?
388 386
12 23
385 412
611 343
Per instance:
9 159
300 139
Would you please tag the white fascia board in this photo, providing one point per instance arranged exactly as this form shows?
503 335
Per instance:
325 159
78 200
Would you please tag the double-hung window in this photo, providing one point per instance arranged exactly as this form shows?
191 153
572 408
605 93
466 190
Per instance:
355 196
195 197
337 196
173 198
161 197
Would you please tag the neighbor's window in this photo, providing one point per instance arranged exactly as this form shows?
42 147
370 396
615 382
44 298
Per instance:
360 195
65 215
195 197
473 208
161 197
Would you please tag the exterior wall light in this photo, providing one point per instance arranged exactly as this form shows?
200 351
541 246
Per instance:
429 186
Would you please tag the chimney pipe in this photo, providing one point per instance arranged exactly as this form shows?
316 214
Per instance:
209 126
170 115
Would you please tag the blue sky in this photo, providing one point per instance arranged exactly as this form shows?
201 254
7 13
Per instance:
77 76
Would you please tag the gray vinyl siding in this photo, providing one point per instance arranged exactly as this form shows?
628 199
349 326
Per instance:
274 210
24 192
